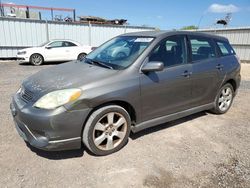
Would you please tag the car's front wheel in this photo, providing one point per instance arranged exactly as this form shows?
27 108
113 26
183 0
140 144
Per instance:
81 56
224 99
107 130
36 59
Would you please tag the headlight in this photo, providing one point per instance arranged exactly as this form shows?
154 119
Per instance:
58 98
19 90
21 53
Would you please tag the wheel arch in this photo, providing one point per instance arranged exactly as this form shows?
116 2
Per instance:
232 82
80 54
127 106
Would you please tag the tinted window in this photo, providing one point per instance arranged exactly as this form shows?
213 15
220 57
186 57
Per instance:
170 51
225 48
202 48
56 44
68 44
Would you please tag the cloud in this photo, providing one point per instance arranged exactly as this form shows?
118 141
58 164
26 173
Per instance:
219 8
8 2
159 17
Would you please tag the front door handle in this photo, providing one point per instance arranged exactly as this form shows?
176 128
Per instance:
186 73
219 66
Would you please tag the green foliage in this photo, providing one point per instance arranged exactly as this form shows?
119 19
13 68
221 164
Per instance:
190 27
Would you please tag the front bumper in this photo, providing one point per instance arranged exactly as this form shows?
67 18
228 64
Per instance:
23 58
57 129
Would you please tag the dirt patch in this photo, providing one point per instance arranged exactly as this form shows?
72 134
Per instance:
233 173
202 150
230 174
166 179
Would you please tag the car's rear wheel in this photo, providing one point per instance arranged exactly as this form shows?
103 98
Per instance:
81 56
107 130
224 99
36 59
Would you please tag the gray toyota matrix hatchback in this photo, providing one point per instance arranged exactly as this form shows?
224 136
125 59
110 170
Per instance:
132 82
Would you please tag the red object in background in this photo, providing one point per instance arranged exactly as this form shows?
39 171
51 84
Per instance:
2 5
36 7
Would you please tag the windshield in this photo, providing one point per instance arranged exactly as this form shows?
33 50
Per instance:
119 52
43 44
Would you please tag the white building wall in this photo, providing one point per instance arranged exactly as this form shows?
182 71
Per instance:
16 34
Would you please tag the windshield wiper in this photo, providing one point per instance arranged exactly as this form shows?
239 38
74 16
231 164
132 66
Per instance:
98 63
102 64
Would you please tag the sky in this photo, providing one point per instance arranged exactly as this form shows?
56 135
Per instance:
163 14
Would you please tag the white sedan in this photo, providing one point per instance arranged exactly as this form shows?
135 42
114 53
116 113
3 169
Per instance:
55 50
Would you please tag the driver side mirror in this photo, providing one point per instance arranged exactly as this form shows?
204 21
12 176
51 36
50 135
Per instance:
153 66
48 47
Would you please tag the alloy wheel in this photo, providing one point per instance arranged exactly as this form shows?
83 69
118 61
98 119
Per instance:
36 59
81 57
110 131
225 99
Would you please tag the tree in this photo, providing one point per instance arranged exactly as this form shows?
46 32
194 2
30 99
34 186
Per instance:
190 27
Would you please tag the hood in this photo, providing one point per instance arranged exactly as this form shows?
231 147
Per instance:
30 48
68 75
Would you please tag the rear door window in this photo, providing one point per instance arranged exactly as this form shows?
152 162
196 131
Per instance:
201 48
225 48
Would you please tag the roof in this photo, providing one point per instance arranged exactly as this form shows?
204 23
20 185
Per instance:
167 33
68 40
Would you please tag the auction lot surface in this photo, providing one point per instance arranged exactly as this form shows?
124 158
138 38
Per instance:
202 150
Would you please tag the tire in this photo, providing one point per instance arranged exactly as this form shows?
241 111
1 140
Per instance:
107 130
224 99
36 59
81 56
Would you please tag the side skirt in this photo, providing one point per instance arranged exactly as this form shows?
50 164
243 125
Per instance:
171 117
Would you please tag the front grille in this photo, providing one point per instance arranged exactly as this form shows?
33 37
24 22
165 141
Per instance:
26 95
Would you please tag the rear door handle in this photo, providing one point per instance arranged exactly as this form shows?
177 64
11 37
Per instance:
219 66
186 73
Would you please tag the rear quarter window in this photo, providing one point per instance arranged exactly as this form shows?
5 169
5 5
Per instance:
225 48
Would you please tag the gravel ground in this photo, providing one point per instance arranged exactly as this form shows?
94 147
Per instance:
202 150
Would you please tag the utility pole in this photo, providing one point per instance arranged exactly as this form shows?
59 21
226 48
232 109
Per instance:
1 9
52 14
74 15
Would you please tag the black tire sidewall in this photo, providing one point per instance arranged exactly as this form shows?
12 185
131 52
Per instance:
217 109
93 119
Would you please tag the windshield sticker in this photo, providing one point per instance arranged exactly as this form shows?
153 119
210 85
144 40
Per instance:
143 39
